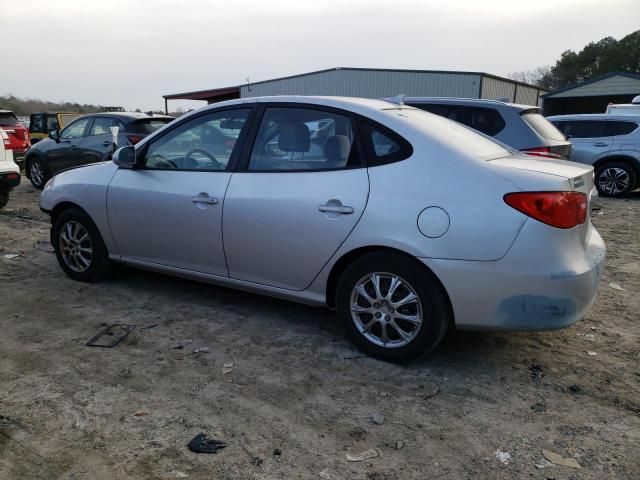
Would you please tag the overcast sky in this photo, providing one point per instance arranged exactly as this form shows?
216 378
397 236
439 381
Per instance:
131 52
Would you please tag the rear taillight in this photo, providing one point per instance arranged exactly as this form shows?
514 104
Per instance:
5 139
134 138
541 152
558 209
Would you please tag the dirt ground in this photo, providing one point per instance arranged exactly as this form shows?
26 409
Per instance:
299 397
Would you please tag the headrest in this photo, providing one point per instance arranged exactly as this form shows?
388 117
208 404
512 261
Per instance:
294 137
337 148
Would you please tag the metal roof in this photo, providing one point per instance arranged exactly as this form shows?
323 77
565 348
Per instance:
592 80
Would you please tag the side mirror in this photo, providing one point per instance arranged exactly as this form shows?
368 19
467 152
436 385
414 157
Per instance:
125 157
54 135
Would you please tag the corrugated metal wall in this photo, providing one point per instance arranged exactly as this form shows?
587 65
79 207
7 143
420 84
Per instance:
527 95
370 84
494 89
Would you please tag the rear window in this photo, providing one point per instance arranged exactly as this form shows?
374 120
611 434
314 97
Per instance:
542 126
582 128
485 120
150 125
621 128
458 135
8 119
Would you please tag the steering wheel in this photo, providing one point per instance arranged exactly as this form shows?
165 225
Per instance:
161 162
206 154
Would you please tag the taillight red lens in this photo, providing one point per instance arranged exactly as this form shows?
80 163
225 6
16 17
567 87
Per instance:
541 152
135 138
558 209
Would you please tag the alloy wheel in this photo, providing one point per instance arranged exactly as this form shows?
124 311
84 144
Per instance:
386 309
75 246
613 180
36 172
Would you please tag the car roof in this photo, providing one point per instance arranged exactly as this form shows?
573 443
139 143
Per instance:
6 111
470 101
130 115
597 116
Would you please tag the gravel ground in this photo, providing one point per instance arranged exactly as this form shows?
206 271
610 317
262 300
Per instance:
299 398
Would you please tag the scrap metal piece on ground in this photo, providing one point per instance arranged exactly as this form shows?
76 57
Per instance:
111 335
202 444
560 460
360 457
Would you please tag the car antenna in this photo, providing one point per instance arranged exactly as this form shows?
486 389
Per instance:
248 84
398 99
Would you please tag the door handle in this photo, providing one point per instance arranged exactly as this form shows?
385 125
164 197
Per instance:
600 144
342 209
204 199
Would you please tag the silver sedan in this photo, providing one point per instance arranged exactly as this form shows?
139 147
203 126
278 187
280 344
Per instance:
405 222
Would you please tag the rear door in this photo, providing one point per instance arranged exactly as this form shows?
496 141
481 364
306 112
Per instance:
589 138
97 145
299 195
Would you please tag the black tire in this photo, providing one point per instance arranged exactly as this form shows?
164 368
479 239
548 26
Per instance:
4 199
99 264
604 174
436 311
38 181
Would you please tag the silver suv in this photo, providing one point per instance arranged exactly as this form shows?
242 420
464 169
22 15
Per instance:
520 126
609 142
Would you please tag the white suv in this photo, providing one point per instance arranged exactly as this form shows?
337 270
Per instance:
632 108
9 171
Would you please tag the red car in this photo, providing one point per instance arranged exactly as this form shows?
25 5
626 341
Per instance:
18 135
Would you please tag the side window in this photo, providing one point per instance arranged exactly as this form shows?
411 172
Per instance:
620 128
583 129
204 143
303 139
383 145
52 123
101 126
75 130
36 124
485 120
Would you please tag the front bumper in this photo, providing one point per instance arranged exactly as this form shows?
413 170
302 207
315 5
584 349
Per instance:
506 295
9 180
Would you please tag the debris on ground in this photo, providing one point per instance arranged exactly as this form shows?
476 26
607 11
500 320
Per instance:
575 389
202 444
377 418
617 286
140 414
227 368
536 371
542 464
399 445
538 407
10 255
592 353
504 457
111 335
201 350
325 474
560 460
360 457
277 452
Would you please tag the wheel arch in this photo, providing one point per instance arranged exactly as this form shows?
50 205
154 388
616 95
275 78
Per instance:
61 207
341 264
619 157
27 163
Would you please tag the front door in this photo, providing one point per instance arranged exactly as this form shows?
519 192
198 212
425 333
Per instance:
590 139
169 211
97 146
66 153
300 195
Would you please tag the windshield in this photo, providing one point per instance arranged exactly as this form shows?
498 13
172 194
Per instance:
543 127
8 118
457 134
150 125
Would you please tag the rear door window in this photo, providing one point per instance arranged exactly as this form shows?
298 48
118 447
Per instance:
146 127
543 127
101 126
485 120
616 128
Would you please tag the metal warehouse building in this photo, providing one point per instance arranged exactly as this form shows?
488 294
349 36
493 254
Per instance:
377 83
594 95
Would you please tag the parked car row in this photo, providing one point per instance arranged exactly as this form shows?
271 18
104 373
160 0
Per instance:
405 222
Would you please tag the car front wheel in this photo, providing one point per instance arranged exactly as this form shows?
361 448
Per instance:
4 199
79 247
615 179
393 308
38 173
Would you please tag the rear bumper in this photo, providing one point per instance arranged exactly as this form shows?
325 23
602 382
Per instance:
541 293
9 180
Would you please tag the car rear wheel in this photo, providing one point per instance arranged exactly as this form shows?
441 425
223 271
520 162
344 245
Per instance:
79 247
38 173
615 179
4 199
392 307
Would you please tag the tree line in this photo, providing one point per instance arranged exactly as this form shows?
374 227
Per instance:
595 59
